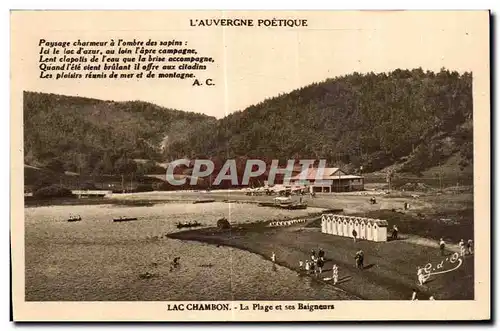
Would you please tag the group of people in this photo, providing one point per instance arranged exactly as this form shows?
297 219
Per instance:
465 248
316 264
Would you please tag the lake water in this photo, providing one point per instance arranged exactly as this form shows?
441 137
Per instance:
100 260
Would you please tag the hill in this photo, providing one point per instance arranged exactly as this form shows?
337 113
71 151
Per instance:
94 137
409 121
415 119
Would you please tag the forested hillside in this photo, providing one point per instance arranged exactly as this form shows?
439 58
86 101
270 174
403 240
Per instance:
414 118
96 137
409 118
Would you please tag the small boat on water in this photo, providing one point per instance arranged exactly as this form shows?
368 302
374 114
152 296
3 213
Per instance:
266 204
124 219
188 225
74 219
204 201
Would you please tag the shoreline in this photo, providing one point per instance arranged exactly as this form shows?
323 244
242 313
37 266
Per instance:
302 273
384 277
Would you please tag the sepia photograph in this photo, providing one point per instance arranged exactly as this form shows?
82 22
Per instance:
262 162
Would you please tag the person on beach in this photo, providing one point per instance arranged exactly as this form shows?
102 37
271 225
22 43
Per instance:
175 263
394 232
414 295
301 264
313 268
335 275
273 257
354 234
313 255
321 254
461 246
420 276
469 246
321 264
359 259
308 266
441 246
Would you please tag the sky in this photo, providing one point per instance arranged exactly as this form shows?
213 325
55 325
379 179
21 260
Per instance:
254 63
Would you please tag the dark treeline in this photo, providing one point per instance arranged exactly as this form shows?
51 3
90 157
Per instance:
408 117
372 120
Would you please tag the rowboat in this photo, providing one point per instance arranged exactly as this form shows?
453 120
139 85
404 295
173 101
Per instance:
125 219
188 225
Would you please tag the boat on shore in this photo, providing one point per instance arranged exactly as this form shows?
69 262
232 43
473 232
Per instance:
188 225
284 203
124 219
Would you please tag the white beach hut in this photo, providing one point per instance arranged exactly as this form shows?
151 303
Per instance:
350 226
356 226
323 223
362 228
340 226
380 230
369 230
330 226
333 225
345 228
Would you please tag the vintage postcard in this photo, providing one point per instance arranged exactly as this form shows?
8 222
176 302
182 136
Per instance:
250 165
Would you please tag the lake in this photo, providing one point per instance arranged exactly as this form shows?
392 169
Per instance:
100 260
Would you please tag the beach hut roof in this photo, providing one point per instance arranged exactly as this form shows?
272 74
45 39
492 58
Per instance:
381 222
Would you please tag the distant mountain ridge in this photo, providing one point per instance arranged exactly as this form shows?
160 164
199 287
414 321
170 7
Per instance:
409 120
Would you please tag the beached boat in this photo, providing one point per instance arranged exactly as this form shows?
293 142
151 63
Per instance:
74 219
284 203
188 225
125 219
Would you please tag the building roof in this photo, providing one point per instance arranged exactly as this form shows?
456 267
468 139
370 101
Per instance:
312 173
347 177
381 222
328 174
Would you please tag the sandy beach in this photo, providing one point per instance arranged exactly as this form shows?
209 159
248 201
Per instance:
390 267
